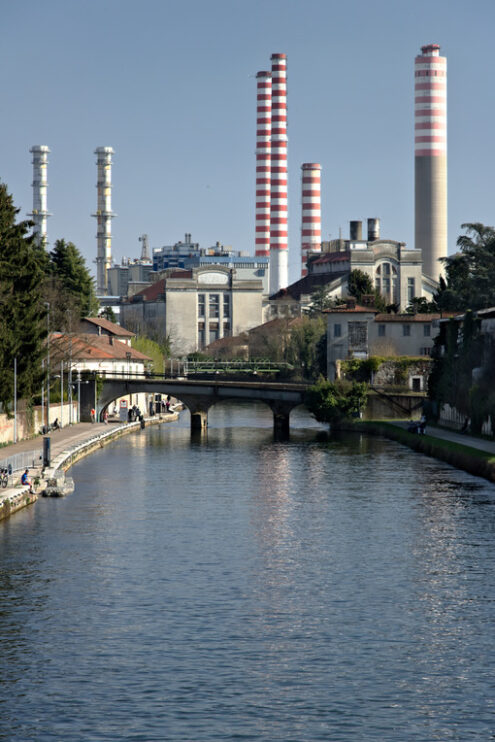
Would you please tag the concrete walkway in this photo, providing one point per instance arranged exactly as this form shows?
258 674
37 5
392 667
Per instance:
481 444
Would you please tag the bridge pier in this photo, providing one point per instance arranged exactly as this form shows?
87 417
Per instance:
281 419
199 421
198 409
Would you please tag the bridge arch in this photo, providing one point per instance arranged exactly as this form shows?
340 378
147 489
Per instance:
200 395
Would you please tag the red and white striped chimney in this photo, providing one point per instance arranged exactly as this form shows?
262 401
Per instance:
263 162
430 160
311 212
279 264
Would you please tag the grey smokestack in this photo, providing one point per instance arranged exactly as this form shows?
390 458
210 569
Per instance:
356 231
373 230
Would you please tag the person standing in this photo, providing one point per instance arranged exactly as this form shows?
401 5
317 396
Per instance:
93 415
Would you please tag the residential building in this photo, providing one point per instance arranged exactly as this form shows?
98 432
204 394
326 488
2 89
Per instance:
105 353
355 331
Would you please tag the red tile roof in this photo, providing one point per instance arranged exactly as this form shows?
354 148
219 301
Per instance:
410 317
108 326
91 347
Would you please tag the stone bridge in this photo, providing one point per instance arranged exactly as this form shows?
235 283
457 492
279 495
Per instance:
198 396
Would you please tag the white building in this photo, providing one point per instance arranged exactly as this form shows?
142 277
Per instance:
193 308
355 331
394 269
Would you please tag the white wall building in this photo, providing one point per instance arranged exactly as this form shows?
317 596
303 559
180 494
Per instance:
355 331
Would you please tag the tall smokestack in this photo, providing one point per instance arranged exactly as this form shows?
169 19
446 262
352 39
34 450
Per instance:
104 216
279 264
145 253
311 212
430 157
40 214
373 229
263 163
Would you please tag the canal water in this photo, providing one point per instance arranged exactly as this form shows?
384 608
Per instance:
241 589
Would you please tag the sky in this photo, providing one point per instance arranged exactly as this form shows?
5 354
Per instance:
171 86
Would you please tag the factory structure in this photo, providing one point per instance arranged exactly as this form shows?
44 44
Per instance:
104 216
40 214
398 272
430 157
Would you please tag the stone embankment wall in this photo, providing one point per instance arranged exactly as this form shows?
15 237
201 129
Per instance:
29 423
462 457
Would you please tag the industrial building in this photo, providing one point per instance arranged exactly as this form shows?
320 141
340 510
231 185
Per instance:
394 269
192 308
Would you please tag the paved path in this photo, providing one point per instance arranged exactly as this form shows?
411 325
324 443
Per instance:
59 439
451 435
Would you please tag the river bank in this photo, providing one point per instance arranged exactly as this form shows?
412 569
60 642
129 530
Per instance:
475 456
69 446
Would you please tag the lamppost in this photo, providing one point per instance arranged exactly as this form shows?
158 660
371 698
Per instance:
47 305
15 400
78 396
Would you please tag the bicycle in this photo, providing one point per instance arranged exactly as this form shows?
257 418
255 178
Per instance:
4 476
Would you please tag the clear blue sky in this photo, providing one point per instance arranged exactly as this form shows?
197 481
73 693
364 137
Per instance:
171 87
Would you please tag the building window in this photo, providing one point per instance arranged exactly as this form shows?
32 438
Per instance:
411 290
427 331
226 305
201 335
201 305
406 330
214 305
358 336
214 332
386 282
381 331
337 331
426 351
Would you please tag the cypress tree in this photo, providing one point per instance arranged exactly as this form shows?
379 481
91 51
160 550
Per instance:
69 267
22 313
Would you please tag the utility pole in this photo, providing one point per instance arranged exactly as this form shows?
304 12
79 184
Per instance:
47 305
15 400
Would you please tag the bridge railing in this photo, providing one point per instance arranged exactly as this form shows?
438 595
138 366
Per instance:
196 368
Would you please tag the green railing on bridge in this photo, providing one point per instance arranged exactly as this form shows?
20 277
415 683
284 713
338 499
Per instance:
259 366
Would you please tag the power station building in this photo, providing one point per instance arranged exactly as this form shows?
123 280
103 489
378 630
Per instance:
394 269
195 307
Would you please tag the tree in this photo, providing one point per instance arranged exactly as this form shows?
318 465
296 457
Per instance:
421 305
457 352
470 273
22 313
334 401
359 283
302 347
320 300
69 267
109 314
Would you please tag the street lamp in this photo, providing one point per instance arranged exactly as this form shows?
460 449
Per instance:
47 305
78 396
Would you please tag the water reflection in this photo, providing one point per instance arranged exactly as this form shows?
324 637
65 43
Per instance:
243 588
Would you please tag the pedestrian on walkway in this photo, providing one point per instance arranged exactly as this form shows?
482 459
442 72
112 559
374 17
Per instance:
93 414
26 481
